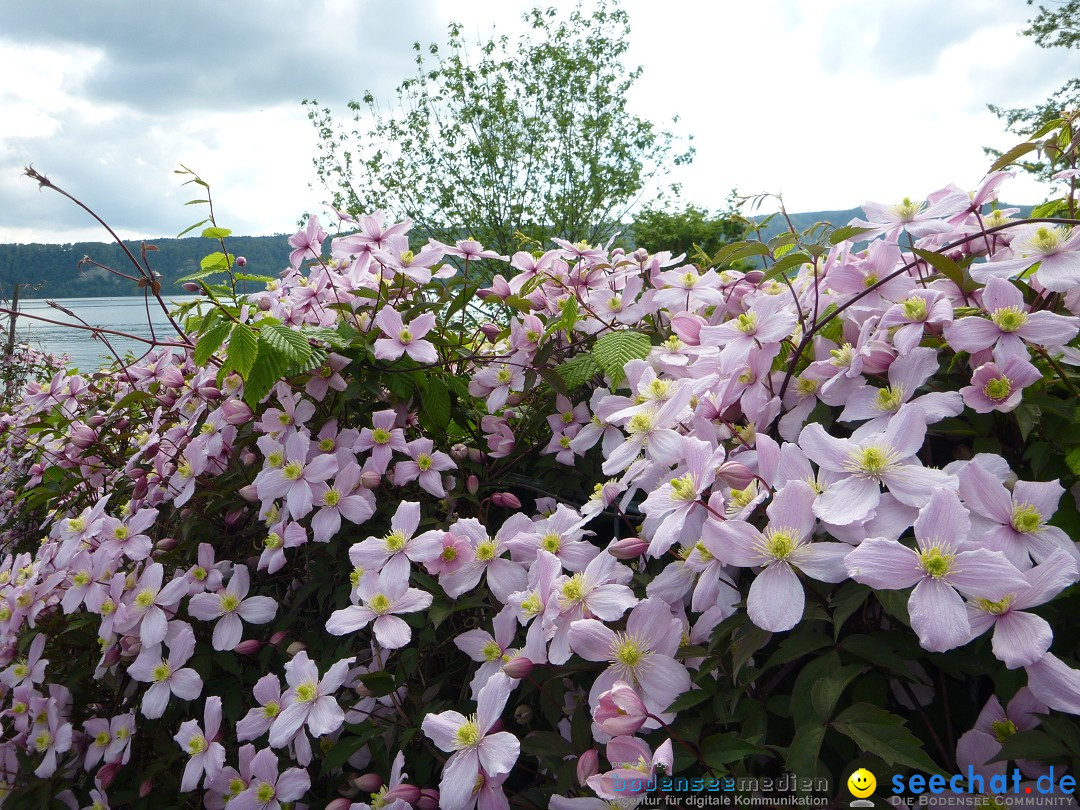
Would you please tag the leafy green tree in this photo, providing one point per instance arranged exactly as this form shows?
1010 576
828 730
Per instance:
1057 26
691 231
530 136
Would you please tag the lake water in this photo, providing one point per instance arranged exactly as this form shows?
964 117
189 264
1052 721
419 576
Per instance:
126 314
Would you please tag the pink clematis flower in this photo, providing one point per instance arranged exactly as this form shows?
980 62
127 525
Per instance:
383 439
999 388
147 609
267 788
308 240
205 756
312 700
1055 249
167 676
632 761
229 606
425 464
293 480
392 554
994 725
257 721
401 340
383 596
471 745
344 498
620 711
942 565
642 655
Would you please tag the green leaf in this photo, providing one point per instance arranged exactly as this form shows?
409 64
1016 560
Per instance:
825 694
217 262
569 314
745 644
948 268
802 756
797 259
579 370
287 341
210 341
720 749
198 224
243 349
846 232
690 699
1027 416
436 403
1013 155
615 349
216 233
883 734
796 646
552 378
1072 458
269 367
546 744
378 683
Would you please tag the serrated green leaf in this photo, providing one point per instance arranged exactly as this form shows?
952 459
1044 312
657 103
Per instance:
253 277
615 349
825 694
216 233
1013 155
546 743
287 341
210 342
436 403
579 370
884 735
190 228
243 349
269 367
216 262
948 268
805 749
378 683
846 232
554 380
786 263
721 749
688 700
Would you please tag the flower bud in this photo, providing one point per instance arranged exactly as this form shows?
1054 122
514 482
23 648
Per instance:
339 804
491 331
172 377
106 774
209 392
735 474
295 648
518 667
122 423
620 711
166 544
513 399
82 436
248 646
264 304
588 764
475 456
459 452
111 657
145 787
507 500
429 799
140 489
241 261
249 493
409 794
278 637
629 548
235 518
191 287
248 458
232 383
523 714
96 421
367 783
472 484
235 411
369 479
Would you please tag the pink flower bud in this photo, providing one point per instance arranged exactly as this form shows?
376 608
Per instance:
513 399
491 331
339 804
264 304
620 711
235 518
368 783
236 412
459 452
191 287
475 456
588 764
140 489
507 500
145 787
241 261
248 646
248 458
735 474
106 774
472 484
172 377
629 548
122 423
429 799
249 493
112 656
369 479
166 544
406 793
295 648
82 436
278 637
96 421
518 667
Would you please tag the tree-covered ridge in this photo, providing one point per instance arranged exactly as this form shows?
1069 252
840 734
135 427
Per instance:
53 271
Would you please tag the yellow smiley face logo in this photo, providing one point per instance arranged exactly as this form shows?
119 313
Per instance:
861 783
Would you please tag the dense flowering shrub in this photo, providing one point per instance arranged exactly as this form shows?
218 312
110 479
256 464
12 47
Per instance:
446 528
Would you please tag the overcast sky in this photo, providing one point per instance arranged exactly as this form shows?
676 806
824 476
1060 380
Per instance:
831 102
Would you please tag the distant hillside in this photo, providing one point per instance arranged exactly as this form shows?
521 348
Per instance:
53 271
838 218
